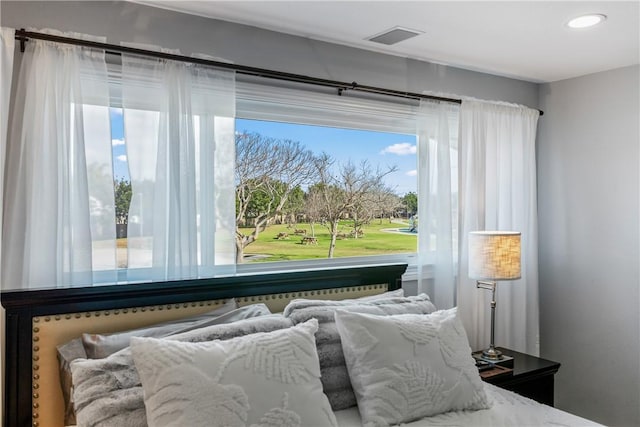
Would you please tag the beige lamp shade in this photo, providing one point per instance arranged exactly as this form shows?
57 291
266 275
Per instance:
494 255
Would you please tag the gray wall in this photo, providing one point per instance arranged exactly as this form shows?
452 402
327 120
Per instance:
121 21
588 193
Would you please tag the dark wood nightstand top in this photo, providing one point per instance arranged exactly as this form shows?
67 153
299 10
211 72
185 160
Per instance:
527 365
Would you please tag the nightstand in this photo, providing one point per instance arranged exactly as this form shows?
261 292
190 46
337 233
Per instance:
532 377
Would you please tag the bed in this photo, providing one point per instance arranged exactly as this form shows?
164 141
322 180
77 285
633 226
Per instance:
39 322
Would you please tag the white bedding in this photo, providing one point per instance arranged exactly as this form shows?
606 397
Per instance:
508 409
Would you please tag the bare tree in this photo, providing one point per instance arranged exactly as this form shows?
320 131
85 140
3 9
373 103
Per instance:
313 204
376 203
346 191
384 203
267 172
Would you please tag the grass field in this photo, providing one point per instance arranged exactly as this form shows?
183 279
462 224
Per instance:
268 248
375 242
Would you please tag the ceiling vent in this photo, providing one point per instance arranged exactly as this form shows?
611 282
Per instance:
394 35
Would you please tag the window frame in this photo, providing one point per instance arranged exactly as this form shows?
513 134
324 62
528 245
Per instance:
259 100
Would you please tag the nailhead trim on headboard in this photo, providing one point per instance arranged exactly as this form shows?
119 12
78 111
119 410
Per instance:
35 384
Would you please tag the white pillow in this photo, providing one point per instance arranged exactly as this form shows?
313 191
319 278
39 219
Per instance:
268 378
408 366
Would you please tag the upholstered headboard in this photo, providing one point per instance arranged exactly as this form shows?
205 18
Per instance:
38 321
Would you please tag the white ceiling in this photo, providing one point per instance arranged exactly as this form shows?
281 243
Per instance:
527 40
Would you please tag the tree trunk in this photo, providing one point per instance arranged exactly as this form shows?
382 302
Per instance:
239 251
355 226
242 242
334 235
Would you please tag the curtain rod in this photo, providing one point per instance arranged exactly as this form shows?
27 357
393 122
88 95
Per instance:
23 36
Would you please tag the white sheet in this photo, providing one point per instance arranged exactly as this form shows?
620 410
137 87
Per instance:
509 409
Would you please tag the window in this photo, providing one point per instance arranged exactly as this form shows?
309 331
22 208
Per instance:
365 203
370 149
364 127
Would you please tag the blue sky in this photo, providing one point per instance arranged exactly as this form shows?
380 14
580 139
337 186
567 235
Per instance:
378 148
120 168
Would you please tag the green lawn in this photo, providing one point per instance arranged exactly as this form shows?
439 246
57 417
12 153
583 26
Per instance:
374 242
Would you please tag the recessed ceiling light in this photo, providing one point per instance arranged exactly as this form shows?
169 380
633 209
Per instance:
585 21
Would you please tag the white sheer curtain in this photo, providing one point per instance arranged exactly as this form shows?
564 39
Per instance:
179 133
437 124
498 192
7 45
58 152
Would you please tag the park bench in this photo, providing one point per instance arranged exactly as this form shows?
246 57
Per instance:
308 240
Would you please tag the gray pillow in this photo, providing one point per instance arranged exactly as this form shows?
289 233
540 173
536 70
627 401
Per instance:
385 295
67 353
98 346
335 377
107 392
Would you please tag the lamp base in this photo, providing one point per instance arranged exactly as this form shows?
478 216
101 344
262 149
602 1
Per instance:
492 354
503 360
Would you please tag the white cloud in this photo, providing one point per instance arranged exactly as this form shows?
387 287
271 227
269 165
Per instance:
122 157
401 149
115 142
412 173
117 111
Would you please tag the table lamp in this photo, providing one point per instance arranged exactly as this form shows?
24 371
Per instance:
493 256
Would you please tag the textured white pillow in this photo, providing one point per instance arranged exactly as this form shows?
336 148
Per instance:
266 379
408 366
